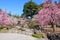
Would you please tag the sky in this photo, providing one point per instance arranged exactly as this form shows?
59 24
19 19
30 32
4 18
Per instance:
15 7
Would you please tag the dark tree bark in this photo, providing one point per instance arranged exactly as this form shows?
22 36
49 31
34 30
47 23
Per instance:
52 25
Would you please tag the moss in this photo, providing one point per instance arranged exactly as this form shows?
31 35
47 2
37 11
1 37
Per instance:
37 35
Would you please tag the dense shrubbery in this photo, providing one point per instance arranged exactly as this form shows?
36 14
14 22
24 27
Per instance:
53 36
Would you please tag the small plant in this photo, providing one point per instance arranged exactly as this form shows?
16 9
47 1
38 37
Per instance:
37 35
0 30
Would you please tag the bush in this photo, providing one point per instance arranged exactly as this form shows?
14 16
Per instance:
33 23
53 36
37 35
4 26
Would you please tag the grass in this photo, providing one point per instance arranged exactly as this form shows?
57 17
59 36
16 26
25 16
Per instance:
0 30
37 35
3 30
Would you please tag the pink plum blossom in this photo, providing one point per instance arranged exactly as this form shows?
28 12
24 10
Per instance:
48 14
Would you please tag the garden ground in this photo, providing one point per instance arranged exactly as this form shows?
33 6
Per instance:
15 36
51 29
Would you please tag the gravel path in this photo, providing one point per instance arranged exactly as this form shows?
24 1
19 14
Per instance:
15 36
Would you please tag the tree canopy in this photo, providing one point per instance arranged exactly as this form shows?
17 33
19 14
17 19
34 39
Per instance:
30 8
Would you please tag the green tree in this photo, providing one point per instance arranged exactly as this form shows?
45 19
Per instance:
9 14
17 16
30 8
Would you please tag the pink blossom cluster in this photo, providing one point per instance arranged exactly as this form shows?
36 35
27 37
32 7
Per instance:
48 14
4 18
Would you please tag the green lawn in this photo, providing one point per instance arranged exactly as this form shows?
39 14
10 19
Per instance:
37 35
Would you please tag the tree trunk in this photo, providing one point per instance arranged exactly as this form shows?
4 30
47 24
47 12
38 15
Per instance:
52 25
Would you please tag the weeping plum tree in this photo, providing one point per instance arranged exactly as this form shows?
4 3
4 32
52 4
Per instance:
50 13
4 18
